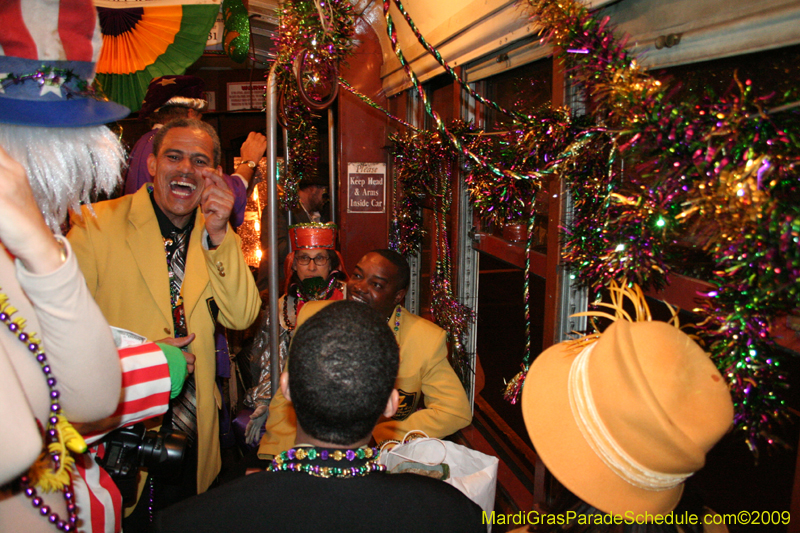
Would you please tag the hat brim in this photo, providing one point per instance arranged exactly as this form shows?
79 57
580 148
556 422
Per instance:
563 449
72 113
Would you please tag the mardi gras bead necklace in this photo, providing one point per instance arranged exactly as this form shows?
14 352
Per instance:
283 461
51 470
397 311
309 290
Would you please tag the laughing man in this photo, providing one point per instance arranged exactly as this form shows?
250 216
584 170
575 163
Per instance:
158 265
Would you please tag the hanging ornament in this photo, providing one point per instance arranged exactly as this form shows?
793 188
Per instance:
317 79
236 32
314 36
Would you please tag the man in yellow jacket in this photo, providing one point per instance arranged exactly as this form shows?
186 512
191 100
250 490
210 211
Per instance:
157 266
380 279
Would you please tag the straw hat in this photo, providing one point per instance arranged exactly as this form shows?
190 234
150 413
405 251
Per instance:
48 53
623 421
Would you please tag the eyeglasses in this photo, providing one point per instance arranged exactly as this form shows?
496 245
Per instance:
320 260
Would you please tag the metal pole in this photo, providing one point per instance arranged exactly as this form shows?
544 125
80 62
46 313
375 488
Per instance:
332 164
273 268
289 215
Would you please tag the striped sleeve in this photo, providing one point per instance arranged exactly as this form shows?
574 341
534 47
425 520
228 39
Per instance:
145 387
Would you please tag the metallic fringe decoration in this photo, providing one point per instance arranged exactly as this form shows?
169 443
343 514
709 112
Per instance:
718 172
325 30
424 169
645 172
514 387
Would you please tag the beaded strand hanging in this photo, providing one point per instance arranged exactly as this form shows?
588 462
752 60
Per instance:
51 471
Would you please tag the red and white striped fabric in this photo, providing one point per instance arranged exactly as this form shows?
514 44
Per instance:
145 387
145 394
27 30
97 497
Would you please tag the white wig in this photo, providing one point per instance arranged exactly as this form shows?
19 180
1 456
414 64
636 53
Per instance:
66 166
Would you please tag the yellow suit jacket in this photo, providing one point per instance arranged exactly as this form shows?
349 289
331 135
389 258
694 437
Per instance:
121 254
424 372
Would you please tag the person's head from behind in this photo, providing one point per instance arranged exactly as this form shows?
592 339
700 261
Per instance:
184 150
173 97
342 368
57 135
66 167
380 280
623 420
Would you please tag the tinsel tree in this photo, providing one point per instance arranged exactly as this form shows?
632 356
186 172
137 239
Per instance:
418 158
719 171
424 167
650 172
530 147
314 36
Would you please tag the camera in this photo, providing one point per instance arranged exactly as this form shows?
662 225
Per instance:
130 448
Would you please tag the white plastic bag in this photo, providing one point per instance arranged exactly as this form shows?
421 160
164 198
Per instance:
472 472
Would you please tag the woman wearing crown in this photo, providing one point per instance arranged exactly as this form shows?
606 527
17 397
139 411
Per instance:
314 271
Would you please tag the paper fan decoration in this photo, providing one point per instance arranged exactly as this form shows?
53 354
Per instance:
143 43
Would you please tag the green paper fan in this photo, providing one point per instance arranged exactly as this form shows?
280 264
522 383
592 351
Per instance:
140 44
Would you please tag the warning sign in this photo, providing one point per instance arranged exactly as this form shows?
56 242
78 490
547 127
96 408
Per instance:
366 187
245 95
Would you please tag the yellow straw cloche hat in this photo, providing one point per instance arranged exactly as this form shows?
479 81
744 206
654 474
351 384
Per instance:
623 418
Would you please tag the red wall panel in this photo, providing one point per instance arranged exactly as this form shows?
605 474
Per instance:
361 136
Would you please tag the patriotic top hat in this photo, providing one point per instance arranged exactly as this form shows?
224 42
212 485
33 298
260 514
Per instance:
48 51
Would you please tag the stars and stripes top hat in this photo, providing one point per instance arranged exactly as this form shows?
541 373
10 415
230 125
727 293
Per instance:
48 52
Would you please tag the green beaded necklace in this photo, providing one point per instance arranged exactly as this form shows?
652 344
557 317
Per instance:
283 460
397 311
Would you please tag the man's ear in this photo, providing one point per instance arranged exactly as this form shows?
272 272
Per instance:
151 165
392 404
399 296
284 382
